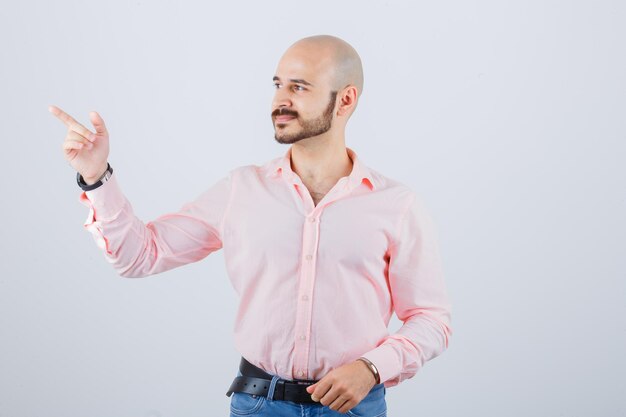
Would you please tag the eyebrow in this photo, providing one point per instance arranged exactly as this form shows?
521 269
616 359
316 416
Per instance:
295 80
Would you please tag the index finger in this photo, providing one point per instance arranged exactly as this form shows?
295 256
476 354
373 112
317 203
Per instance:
69 121
62 116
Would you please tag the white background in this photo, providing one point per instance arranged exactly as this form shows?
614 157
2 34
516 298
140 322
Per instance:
508 118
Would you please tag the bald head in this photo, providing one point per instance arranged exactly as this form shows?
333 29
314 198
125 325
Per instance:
341 58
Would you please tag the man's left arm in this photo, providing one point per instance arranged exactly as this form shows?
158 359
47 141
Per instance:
420 300
419 297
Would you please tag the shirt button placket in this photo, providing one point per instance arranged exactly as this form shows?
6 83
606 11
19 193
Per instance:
307 279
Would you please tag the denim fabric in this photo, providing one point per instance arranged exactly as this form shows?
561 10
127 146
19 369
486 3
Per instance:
243 404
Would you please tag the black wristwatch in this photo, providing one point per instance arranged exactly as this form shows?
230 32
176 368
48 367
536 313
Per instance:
104 178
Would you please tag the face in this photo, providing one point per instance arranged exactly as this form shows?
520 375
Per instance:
306 128
303 105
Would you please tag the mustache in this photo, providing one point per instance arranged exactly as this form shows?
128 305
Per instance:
284 112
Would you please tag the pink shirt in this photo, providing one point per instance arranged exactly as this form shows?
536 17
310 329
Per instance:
317 284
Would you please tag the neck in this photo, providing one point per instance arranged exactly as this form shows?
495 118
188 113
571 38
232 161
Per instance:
320 160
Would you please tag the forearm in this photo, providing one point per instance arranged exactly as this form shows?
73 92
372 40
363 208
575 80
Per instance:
114 227
421 338
136 249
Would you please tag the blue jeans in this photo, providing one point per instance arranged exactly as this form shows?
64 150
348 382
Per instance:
249 405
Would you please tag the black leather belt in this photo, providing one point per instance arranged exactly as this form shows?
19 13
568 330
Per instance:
255 380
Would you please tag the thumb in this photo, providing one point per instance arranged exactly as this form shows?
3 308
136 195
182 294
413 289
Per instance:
98 123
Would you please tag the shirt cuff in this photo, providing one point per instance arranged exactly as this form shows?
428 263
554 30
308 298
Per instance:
385 358
106 201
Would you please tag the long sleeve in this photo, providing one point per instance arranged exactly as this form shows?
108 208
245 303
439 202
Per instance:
136 249
419 298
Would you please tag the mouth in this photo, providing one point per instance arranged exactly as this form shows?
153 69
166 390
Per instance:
283 119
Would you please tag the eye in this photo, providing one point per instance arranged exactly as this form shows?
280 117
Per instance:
276 85
298 88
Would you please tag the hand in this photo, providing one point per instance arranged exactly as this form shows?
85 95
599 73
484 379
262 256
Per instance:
86 152
343 388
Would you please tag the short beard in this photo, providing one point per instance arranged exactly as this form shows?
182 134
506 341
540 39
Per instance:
312 127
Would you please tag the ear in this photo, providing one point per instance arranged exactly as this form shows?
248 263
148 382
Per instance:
347 101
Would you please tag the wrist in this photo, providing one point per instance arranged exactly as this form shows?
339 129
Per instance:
93 180
90 180
88 184
372 368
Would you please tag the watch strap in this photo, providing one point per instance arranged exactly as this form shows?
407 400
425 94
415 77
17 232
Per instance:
103 178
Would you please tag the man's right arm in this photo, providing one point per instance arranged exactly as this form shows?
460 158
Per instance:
133 248
136 249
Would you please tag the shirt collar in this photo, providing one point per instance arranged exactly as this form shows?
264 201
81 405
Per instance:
359 173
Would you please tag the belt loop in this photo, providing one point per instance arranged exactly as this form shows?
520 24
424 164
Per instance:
270 393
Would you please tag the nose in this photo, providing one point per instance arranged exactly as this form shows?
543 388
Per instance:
281 99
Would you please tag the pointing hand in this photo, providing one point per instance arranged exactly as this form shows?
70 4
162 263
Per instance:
87 152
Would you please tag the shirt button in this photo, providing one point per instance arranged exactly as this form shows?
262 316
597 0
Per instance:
309 257
302 373
302 337
312 219
305 297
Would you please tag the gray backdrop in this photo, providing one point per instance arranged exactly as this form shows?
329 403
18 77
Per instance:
507 117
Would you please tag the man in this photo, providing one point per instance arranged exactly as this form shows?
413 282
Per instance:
320 248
